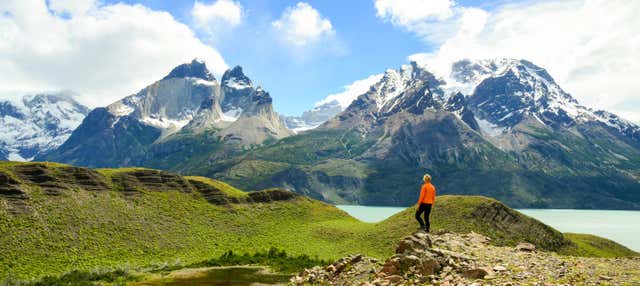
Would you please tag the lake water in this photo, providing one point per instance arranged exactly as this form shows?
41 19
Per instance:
620 226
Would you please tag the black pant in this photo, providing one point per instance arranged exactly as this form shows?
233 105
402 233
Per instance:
426 209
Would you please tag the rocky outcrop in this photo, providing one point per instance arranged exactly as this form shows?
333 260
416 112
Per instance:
449 259
419 259
509 220
11 192
20 180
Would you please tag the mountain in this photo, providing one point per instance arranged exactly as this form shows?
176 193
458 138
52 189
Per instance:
501 128
188 104
330 106
314 117
35 124
56 218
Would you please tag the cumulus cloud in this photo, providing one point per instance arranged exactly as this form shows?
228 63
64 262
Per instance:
302 25
103 52
73 7
217 15
429 19
408 12
351 92
590 47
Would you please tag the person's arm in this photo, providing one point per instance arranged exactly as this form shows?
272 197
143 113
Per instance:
433 195
422 194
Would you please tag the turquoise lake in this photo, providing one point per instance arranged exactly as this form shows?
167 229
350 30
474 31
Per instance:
620 226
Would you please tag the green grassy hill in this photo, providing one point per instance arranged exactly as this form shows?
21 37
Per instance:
55 218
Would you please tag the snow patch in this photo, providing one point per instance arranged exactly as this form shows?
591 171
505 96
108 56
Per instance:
490 128
14 156
200 81
393 83
236 84
165 123
120 109
304 128
232 115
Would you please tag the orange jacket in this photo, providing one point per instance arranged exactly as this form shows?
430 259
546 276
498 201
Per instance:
427 194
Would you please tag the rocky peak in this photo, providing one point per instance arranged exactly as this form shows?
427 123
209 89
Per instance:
195 69
236 79
505 91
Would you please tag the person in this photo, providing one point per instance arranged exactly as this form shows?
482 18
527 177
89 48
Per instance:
425 202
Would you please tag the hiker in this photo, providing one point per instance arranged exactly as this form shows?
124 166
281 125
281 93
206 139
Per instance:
426 200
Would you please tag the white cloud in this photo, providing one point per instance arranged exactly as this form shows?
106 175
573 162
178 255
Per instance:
302 25
73 7
408 12
217 15
352 91
103 52
429 19
590 47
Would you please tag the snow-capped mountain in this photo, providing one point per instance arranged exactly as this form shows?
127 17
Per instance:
35 124
502 128
189 100
501 93
314 117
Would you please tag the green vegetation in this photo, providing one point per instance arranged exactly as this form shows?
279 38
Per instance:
77 229
277 259
483 215
82 278
595 246
224 187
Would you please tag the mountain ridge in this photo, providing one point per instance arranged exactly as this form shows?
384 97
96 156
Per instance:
517 132
189 100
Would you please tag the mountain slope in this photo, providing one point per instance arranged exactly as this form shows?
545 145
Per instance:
36 124
501 128
55 218
139 128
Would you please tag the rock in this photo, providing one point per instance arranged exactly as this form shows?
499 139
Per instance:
395 278
606 278
499 268
429 266
475 273
392 266
330 268
411 243
525 247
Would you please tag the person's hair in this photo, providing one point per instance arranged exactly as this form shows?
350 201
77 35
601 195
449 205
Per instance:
426 178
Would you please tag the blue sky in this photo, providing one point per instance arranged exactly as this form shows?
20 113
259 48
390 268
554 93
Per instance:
368 45
104 50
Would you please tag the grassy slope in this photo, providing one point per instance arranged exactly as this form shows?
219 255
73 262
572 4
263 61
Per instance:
88 230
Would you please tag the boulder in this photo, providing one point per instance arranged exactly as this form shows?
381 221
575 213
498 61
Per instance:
525 247
499 268
411 244
475 273
395 279
429 266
